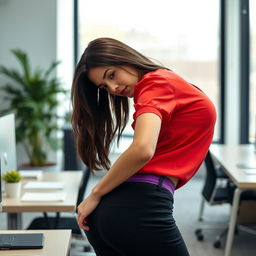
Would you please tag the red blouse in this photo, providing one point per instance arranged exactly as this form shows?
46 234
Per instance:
188 118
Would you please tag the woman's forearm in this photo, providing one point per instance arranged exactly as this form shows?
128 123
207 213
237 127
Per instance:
125 166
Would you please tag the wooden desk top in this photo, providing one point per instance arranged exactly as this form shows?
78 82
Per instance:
229 156
57 243
72 181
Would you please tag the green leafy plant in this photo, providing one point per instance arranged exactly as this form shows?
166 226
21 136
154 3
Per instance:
32 96
12 176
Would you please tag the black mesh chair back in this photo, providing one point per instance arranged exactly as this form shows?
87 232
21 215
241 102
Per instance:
211 178
83 185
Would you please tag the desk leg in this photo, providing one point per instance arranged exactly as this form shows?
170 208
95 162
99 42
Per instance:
14 220
232 221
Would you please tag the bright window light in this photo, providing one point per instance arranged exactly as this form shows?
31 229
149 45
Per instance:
181 34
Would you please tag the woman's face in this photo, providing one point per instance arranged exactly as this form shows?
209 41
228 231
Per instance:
117 80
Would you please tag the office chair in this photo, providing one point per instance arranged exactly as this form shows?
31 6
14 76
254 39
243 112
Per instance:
60 222
70 159
215 194
214 191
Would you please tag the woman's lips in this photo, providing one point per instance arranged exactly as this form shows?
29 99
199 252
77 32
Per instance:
123 92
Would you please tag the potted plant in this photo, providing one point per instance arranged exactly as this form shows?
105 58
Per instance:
32 95
12 183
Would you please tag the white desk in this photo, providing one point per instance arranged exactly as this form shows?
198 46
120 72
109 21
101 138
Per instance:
14 207
57 243
228 157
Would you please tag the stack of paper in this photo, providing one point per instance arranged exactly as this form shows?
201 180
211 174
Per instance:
27 174
45 185
44 197
249 167
250 171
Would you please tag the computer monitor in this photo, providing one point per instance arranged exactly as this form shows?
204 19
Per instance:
1 207
7 143
7 146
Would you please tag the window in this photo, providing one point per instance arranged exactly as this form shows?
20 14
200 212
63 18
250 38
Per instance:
181 34
252 111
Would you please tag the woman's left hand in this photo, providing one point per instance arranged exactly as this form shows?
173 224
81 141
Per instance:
85 209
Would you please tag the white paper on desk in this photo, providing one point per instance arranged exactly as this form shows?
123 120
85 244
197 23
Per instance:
45 185
44 197
22 254
250 171
248 165
35 174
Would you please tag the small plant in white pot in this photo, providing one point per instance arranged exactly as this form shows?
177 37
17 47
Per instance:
12 183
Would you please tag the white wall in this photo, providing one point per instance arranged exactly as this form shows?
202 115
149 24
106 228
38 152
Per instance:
30 25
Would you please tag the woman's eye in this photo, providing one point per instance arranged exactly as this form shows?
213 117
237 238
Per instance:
111 76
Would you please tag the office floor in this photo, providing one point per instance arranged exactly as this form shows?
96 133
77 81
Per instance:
186 208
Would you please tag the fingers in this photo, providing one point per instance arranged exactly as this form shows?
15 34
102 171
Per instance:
83 225
82 221
84 209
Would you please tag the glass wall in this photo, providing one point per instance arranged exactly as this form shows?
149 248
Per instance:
252 111
181 34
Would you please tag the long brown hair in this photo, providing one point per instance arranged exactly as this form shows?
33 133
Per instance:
97 115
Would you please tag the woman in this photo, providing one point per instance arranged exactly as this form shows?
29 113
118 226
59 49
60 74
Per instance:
129 212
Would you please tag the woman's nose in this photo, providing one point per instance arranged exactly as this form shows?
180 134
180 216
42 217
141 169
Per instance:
113 88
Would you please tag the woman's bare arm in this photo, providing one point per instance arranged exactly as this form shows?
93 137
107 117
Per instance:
141 150
136 156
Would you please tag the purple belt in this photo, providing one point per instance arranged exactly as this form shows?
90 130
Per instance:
153 179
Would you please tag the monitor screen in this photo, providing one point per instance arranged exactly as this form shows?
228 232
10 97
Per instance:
7 143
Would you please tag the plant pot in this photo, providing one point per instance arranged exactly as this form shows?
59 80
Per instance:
13 189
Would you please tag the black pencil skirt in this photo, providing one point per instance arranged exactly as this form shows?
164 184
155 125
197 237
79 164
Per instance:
135 219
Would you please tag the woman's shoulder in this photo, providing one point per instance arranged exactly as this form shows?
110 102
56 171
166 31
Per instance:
158 73
157 82
161 75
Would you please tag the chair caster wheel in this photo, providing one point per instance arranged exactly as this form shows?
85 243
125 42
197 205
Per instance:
198 231
199 235
87 248
217 244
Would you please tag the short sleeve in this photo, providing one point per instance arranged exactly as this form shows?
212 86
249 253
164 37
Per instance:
154 94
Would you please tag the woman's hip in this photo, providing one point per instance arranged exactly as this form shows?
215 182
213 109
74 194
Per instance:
136 218
140 205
